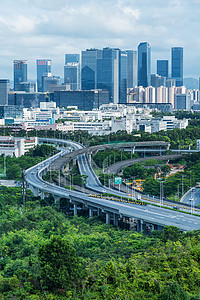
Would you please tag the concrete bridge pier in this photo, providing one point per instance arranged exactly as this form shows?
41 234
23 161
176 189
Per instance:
108 218
56 199
115 219
35 191
42 195
141 226
91 212
75 209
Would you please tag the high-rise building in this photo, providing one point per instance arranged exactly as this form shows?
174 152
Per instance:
20 71
177 65
89 68
108 73
131 69
123 74
48 81
72 58
43 69
163 68
150 94
144 64
4 87
72 75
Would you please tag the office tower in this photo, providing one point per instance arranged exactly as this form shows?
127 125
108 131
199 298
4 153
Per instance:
177 65
20 71
72 75
182 101
72 58
144 64
43 68
162 68
48 81
157 80
108 73
123 77
4 88
28 87
89 68
170 83
131 69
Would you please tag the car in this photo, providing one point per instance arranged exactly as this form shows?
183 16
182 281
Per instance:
44 185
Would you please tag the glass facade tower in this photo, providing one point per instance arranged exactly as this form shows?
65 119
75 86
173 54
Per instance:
20 72
131 69
43 69
144 64
89 68
163 68
72 58
177 65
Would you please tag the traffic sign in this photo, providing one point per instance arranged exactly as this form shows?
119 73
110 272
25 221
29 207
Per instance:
118 180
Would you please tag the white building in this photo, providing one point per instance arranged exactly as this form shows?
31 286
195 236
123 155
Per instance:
14 146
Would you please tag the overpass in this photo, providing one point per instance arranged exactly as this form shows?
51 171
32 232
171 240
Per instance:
151 216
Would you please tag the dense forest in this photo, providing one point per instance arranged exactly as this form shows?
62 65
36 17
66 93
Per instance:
46 255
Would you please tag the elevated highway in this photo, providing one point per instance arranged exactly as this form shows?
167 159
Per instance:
146 215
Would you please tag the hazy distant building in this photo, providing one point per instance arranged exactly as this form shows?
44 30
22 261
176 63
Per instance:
72 75
182 101
177 65
4 88
72 58
162 68
20 71
131 69
144 64
43 68
85 100
48 81
89 60
29 87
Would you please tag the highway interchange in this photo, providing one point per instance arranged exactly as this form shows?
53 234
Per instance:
149 214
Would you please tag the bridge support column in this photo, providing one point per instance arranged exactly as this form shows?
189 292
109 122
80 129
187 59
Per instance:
152 227
42 195
91 212
75 209
98 212
74 161
143 226
56 199
115 219
35 191
139 225
107 218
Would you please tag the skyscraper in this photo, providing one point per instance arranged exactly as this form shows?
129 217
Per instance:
131 68
108 73
72 58
4 87
43 68
162 68
144 64
20 71
177 65
72 75
123 75
89 68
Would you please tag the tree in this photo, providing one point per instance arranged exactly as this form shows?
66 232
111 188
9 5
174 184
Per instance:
174 292
170 233
60 267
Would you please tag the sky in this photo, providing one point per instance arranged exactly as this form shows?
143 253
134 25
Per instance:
37 29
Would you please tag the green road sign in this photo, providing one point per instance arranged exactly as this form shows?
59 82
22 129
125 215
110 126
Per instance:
118 180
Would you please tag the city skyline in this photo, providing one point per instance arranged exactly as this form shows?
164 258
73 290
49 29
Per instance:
30 30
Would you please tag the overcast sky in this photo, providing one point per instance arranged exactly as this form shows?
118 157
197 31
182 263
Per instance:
36 29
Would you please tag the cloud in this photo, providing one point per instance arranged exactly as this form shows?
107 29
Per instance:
49 28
